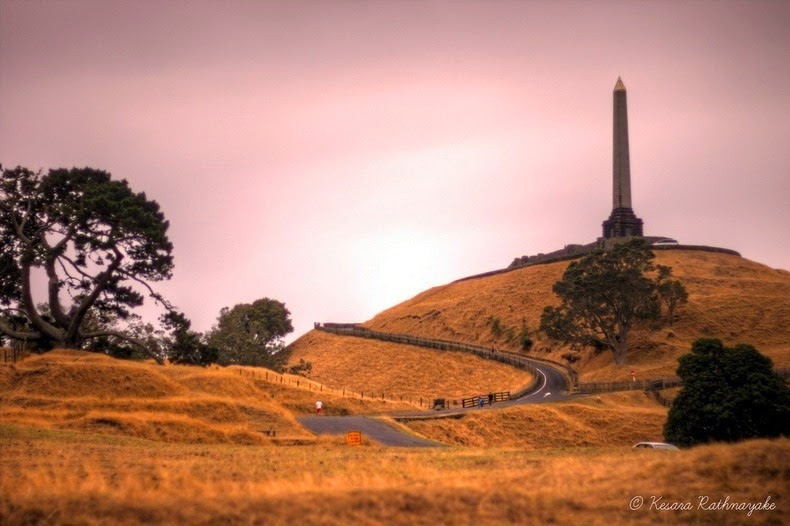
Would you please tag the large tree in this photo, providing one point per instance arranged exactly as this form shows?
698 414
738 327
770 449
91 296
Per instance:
728 394
96 245
252 333
604 295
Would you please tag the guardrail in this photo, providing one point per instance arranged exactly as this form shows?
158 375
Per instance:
490 353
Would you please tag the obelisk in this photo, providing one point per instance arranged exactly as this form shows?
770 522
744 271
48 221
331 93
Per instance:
622 222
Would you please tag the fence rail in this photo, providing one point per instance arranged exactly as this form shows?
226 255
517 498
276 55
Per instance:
352 329
12 354
489 399
633 385
299 382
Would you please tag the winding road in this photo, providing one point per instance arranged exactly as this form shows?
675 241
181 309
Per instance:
551 386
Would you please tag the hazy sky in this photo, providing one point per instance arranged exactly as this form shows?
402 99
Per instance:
342 156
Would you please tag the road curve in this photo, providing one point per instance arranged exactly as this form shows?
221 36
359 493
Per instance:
550 388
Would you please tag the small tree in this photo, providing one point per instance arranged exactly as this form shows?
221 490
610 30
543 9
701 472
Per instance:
524 338
728 394
185 345
604 295
252 333
671 291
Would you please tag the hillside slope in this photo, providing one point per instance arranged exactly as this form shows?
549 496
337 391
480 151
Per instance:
83 391
730 298
384 367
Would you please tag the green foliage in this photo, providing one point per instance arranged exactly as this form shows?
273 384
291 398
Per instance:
496 326
97 242
252 334
570 357
604 295
524 339
728 394
187 346
671 292
303 368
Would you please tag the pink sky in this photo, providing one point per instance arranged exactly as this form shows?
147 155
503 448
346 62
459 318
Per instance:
344 156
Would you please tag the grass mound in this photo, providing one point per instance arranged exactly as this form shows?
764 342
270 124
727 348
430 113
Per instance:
382 367
89 392
618 419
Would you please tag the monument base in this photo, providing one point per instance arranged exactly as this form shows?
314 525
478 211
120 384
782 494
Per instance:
622 223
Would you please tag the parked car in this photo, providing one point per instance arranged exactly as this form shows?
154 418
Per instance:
655 445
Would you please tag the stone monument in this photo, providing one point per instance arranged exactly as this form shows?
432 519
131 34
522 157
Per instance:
622 221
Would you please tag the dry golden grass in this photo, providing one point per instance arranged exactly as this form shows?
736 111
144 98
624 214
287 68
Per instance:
55 477
382 367
616 419
730 298
91 392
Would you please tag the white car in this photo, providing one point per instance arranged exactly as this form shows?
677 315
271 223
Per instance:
655 445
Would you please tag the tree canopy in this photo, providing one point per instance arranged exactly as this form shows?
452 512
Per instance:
728 394
251 333
93 241
603 296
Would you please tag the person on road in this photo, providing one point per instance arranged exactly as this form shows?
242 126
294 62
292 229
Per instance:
490 399
480 401
319 408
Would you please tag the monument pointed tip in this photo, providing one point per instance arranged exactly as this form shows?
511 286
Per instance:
619 86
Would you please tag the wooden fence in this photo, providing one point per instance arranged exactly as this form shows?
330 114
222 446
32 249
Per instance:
490 353
12 354
266 375
489 399
632 385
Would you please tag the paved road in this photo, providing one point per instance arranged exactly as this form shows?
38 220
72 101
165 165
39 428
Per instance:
380 431
551 387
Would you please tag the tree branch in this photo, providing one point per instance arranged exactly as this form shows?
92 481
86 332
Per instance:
122 336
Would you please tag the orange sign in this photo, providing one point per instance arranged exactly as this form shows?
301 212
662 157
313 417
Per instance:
354 438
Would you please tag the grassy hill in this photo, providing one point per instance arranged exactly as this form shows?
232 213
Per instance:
94 393
89 439
730 298
615 419
383 367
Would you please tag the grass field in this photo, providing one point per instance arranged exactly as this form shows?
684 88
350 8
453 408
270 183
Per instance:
73 477
85 439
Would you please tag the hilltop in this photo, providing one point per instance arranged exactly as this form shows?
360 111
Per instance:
730 297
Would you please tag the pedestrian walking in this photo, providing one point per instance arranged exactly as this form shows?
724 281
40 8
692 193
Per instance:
319 407
480 401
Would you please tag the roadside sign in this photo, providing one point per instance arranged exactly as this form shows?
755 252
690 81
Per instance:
354 438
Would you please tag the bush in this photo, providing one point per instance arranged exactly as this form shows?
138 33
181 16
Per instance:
303 368
728 394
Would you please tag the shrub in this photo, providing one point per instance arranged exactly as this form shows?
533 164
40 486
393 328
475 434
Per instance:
728 394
